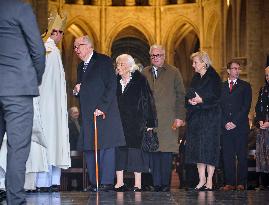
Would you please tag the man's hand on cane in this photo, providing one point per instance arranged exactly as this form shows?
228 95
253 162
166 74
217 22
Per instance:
98 112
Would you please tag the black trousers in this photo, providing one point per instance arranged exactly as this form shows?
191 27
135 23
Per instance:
106 164
16 118
161 167
235 145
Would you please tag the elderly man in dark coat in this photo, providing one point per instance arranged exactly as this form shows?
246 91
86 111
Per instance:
169 92
96 87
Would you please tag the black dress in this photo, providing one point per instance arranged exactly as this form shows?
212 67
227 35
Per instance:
137 111
204 120
262 138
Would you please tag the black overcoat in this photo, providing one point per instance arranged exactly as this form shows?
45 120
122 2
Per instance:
137 109
204 120
98 90
262 105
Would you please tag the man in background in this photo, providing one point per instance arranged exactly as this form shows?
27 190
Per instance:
236 99
22 63
74 127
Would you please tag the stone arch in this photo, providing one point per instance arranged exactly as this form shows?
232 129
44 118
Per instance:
131 41
79 27
76 27
180 41
126 23
176 32
213 40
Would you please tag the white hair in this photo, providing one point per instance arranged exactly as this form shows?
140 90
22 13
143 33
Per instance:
156 46
130 60
86 39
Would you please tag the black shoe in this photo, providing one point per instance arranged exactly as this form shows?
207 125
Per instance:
136 189
202 188
157 188
165 189
92 188
30 191
148 188
43 189
106 187
3 194
123 188
207 189
54 188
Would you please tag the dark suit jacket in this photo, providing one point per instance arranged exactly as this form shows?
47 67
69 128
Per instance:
236 105
98 90
22 52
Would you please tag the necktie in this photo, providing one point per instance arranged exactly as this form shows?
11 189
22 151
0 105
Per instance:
155 73
85 67
231 85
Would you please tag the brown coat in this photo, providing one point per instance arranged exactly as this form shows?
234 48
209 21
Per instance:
169 94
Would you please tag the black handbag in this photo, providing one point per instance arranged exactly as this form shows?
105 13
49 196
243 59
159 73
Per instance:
150 142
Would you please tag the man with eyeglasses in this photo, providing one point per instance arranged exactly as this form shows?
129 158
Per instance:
236 99
96 90
169 94
53 109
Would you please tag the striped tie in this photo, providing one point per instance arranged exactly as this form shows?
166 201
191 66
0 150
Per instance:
85 67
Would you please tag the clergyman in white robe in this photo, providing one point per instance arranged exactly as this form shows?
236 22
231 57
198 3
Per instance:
54 115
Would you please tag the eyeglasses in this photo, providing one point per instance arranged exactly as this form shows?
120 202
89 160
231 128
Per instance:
77 46
152 56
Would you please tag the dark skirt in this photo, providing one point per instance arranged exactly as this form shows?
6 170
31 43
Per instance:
203 137
131 160
262 151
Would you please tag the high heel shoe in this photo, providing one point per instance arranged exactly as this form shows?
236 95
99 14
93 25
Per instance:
208 189
200 188
122 188
136 189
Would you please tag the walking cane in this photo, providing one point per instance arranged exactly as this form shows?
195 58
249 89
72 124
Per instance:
96 153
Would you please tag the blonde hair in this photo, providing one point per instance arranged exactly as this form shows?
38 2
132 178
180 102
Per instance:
130 61
203 56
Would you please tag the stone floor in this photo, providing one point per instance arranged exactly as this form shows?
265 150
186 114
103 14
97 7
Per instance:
150 198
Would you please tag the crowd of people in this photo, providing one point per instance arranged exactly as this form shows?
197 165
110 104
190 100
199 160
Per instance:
126 103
